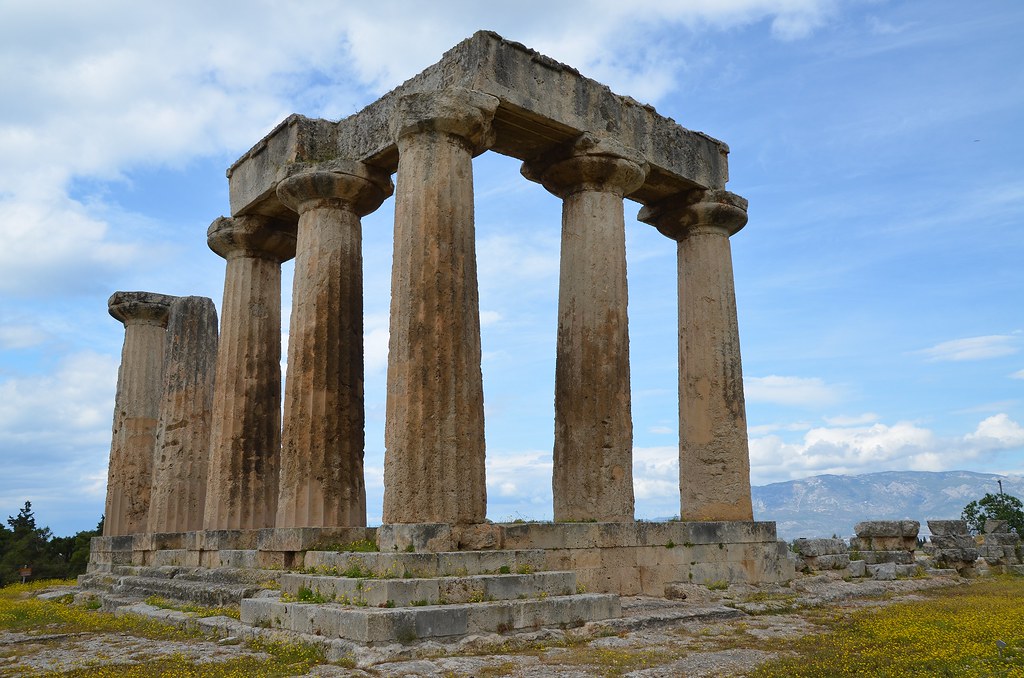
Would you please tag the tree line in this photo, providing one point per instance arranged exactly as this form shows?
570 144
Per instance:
24 544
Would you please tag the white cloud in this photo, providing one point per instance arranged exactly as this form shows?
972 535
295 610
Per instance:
999 429
973 348
662 430
1019 374
762 429
901 446
489 318
71 407
21 336
852 420
801 391
376 334
656 481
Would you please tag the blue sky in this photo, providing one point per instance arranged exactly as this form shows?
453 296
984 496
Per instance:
879 281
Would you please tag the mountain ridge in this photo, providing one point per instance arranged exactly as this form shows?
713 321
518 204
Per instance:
823 505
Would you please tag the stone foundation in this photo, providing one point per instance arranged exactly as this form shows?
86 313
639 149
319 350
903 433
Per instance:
636 558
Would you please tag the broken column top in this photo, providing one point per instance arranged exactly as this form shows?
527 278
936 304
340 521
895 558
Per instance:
147 308
542 104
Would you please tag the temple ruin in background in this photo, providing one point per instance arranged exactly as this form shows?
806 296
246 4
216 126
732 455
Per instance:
265 492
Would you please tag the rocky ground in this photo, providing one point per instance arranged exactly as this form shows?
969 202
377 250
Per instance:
710 633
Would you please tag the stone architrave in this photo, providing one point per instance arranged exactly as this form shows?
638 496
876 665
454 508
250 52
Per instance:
178 493
593 452
136 409
245 432
434 432
714 461
321 482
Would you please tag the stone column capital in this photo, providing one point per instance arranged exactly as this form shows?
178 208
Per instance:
714 211
588 164
462 113
254 236
343 184
140 308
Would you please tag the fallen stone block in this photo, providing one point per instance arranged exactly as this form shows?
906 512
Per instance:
882 571
887 528
944 528
877 557
828 562
819 547
995 526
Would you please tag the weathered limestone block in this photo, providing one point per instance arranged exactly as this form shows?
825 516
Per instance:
592 477
999 548
423 537
958 541
883 543
898 557
434 430
136 409
178 494
245 434
956 555
942 528
835 561
995 526
819 547
856 568
887 528
714 461
882 571
321 481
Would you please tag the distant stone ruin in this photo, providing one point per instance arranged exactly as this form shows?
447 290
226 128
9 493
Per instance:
205 473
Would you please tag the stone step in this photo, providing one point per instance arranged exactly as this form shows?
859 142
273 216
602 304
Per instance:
209 593
386 625
414 565
226 575
430 591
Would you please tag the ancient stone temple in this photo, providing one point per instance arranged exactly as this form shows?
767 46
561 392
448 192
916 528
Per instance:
275 489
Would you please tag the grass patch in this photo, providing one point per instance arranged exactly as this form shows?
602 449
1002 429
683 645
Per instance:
359 546
953 632
197 610
22 612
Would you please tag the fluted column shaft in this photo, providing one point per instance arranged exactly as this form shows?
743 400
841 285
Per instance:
322 480
245 432
592 477
714 460
178 494
434 433
136 409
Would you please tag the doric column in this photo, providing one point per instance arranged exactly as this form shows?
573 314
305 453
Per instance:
714 461
245 435
322 452
178 494
592 477
434 432
136 409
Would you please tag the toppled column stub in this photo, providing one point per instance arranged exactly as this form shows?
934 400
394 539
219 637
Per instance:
593 451
434 430
321 482
136 409
245 435
178 494
714 461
